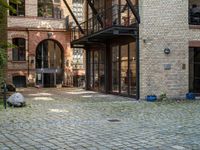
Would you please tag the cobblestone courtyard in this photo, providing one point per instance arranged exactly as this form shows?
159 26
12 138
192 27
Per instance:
77 119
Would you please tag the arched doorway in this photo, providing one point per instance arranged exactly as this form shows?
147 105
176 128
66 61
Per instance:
49 63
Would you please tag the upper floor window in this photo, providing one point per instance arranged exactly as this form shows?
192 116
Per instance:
77 8
19 7
49 9
77 58
194 12
19 52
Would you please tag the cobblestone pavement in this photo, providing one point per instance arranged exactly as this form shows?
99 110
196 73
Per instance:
75 119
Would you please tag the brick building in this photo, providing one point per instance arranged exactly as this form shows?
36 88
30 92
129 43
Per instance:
139 48
43 55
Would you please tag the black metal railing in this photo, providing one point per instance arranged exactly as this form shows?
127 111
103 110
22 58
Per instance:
117 15
194 15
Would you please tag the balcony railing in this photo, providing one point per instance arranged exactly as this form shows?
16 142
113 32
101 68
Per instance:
194 16
117 15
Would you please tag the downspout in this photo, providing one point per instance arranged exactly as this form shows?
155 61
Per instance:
28 55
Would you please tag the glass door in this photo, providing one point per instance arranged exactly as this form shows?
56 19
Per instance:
194 70
115 69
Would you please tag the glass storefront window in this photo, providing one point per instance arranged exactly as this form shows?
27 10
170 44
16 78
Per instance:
132 70
115 69
96 70
101 71
91 69
124 69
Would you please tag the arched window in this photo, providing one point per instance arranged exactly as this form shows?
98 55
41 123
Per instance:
49 9
49 55
19 7
19 51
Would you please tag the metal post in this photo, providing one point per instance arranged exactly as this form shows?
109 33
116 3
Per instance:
4 94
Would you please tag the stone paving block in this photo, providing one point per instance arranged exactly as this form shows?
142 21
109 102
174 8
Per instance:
74 122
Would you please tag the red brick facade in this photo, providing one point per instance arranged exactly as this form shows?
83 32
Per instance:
34 30
33 39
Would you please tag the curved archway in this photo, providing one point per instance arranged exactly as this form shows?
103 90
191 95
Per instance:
49 63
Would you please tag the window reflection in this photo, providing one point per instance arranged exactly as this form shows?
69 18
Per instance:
132 71
97 73
124 69
115 69
19 52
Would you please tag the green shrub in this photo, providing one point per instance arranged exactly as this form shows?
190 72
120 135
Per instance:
163 97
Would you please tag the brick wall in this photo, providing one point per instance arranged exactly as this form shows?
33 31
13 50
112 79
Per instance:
164 24
35 29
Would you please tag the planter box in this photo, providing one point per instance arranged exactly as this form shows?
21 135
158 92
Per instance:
151 98
190 96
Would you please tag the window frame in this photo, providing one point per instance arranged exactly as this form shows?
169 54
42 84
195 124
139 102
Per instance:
56 11
17 9
19 49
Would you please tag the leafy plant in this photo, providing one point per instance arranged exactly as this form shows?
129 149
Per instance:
163 97
4 4
4 45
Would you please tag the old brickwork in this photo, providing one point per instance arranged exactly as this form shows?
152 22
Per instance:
35 30
164 24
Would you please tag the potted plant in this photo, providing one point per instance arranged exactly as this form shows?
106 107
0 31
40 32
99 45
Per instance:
190 96
151 98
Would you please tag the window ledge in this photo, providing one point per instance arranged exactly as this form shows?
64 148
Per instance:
15 61
194 26
17 16
50 18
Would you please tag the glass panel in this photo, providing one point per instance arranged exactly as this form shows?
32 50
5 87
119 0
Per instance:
194 12
194 70
115 69
96 70
101 70
197 55
15 7
39 79
45 54
20 8
91 69
57 13
132 71
15 54
197 70
19 53
191 67
45 8
59 78
124 69
39 56
58 56
19 81
49 55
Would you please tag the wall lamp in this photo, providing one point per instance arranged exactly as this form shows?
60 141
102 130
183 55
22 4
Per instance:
49 34
167 51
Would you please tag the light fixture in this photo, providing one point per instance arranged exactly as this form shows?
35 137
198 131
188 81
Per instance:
49 34
167 51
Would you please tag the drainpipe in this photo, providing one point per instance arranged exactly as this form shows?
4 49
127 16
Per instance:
27 45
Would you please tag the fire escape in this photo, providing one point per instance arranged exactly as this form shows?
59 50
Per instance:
118 20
